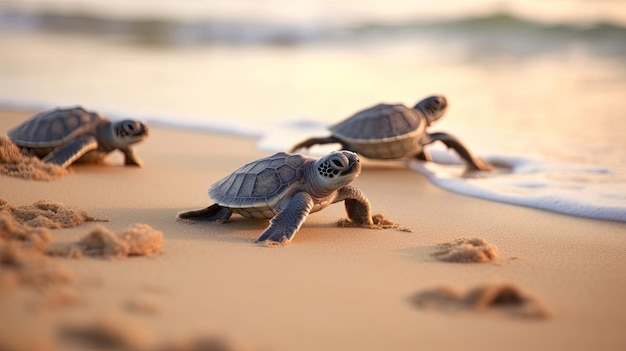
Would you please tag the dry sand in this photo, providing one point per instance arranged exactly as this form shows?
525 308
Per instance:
333 288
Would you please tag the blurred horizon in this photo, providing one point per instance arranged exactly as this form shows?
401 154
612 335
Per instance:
286 22
552 11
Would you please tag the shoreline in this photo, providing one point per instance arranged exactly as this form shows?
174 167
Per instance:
332 288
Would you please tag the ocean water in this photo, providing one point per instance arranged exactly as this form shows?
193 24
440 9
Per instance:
537 87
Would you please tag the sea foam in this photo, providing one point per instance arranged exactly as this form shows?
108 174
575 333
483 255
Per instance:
579 190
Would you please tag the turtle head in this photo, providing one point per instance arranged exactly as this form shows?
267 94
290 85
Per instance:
335 170
128 132
433 107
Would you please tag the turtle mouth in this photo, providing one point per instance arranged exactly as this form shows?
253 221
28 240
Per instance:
353 167
444 104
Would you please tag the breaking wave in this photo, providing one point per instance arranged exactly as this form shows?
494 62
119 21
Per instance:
174 31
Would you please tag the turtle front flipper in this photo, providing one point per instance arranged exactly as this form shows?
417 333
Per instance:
130 158
473 162
424 155
357 205
286 223
66 155
214 213
316 141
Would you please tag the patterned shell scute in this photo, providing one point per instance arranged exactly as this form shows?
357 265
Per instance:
259 184
379 123
52 128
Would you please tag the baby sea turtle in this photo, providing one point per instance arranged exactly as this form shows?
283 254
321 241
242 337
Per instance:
65 135
388 131
286 188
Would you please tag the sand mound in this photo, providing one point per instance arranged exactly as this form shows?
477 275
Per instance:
504 298
380 222
15 163
109 332
117 332
136 240
47 214
466 250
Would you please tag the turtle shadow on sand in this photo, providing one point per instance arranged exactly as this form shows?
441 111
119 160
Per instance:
242 229
416 254
236 230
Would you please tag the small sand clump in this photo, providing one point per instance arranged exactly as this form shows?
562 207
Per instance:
136 240
47 214
144 304
505 298
114 331
16 163
466 250
203 343
380 222
109 332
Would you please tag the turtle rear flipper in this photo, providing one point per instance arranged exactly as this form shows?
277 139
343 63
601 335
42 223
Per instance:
286 223
213 213
65 155
473 162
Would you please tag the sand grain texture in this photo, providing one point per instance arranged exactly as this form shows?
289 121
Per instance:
15 163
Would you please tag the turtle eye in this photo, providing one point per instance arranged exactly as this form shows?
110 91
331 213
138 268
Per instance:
337 163
129 127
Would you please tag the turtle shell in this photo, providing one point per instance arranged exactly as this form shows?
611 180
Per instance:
254 189
383 131
54 128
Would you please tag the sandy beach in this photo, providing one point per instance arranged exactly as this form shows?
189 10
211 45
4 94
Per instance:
332 288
